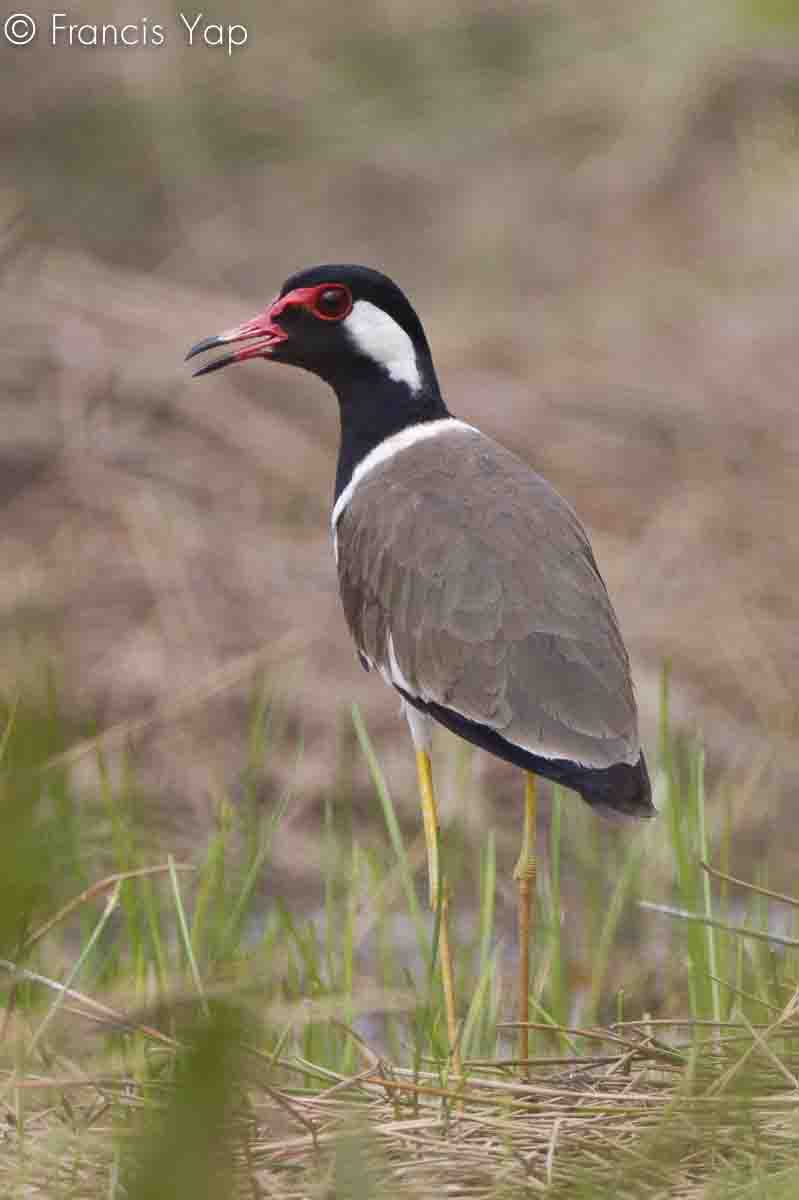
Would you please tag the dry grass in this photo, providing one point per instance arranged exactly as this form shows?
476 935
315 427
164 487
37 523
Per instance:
610 1125
648 1111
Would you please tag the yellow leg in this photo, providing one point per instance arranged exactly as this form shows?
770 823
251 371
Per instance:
525 875
439 898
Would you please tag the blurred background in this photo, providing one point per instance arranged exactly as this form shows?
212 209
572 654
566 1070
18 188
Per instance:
594 209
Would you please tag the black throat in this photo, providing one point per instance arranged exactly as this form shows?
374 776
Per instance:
373 407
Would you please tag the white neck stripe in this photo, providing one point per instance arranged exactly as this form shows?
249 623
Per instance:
387 449
382 339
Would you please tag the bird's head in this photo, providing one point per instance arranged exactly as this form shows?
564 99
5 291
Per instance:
338 321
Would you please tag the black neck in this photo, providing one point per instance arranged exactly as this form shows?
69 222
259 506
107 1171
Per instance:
372 407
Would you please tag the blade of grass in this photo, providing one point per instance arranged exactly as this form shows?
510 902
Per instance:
680 914
392 825
557 997
725 877
710 933
74 972
610 924
96 889
475 1015
232 930
185 937
211 883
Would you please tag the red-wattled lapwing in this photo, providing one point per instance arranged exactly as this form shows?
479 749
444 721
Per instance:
468 583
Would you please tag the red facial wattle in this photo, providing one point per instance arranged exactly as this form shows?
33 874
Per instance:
329 302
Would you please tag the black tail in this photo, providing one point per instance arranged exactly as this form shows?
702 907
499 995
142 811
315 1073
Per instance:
622 790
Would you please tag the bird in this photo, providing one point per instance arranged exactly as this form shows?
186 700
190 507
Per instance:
468 582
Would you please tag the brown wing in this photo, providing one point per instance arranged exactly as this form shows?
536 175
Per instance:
468 581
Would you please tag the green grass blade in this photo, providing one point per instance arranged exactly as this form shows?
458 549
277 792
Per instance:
392 825
183 926
704 852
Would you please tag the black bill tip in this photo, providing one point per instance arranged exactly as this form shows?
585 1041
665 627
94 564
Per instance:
209 343
213 366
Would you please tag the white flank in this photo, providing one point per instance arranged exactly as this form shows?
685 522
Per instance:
395 670
379 336
386 450
420 725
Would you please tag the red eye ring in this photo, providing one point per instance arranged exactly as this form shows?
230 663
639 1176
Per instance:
331 302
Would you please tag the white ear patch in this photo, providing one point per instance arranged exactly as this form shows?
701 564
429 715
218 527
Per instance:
378 335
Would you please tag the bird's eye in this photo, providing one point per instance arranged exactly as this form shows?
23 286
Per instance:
332 303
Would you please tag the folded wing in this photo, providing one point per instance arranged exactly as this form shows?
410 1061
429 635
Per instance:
470 583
